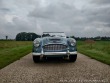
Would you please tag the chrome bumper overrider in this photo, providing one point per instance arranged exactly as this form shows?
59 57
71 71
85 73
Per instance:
55 53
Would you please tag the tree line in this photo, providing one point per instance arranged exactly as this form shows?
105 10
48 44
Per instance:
98 38
30 36
24 36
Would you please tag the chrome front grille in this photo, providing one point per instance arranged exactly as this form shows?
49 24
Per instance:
55 47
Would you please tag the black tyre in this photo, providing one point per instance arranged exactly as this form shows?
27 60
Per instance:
36 59
72 58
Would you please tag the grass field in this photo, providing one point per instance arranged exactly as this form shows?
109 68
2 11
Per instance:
11 51
100 50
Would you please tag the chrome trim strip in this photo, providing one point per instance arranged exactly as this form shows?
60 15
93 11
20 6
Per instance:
55 53
60 53
36 54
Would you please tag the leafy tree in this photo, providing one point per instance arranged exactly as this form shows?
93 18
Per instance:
23 36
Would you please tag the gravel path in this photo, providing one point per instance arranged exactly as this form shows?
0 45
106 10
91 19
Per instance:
84 70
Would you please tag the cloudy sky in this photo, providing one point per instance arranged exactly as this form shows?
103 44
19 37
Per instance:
81 18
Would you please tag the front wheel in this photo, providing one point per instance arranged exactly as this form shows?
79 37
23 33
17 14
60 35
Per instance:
36 59
72 58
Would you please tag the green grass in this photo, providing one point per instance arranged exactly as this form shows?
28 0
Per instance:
11 51
100 50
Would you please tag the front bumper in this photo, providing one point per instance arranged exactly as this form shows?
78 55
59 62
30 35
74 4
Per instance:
54 53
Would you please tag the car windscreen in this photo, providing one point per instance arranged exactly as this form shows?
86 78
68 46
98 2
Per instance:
53 34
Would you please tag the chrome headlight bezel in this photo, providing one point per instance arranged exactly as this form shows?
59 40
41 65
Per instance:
72 42
36 43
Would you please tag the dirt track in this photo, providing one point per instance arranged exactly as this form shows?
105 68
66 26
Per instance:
84 70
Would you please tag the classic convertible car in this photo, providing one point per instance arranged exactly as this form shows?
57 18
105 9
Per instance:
54 44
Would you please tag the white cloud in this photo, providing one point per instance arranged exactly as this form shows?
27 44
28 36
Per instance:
75 17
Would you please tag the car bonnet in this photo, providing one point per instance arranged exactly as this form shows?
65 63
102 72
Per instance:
54 40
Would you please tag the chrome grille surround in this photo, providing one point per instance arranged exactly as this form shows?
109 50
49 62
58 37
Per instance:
54 47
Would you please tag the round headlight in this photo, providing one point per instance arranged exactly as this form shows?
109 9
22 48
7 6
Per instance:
72 42
36 43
